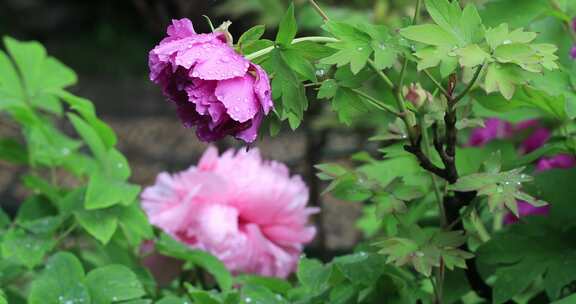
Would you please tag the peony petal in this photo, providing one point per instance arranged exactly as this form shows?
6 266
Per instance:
181 28
262 89
219 61
216 223
237 95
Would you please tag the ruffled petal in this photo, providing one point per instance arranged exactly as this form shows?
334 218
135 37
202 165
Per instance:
237 95
262 89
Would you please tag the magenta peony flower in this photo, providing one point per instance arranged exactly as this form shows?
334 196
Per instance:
214 88
248 212
494 128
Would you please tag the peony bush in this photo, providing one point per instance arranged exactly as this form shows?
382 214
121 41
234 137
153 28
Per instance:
465 184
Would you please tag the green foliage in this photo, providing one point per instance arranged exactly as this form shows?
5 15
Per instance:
430 210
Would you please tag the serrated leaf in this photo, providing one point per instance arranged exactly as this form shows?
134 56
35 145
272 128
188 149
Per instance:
288 28
328 89
504 79
251 35
430 34
472 55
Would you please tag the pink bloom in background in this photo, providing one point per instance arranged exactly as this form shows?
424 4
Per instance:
561 161
573 52
494 128
525 209
537 137
248 212
215 89
536 140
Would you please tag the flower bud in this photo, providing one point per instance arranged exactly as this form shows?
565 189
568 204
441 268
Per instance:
416 95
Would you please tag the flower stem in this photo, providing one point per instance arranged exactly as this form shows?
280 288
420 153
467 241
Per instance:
320 39
437 194
377 103
470 85
436 83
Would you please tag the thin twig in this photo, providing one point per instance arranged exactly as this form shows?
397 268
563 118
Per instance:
319 10
470 85
436 83
377 103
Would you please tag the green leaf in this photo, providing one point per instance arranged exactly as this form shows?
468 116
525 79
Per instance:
104 192
113 283
313 275
567 300
172 300
135 224
328 89
29 57
10 85
471 24
25 248
171 247
87 111
204 297
4 219
276 285
362 268
251 35
12 151
288 88
551 257
348 105
472 55
504 79
101 224
516 13
3 299
445 14
260 294
299 64
288 28
354 47
430 34
60 282
90 136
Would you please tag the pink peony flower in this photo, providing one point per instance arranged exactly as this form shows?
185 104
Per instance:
248 212
215 89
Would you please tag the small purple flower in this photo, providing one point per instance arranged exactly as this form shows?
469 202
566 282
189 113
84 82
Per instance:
573 52
215 89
